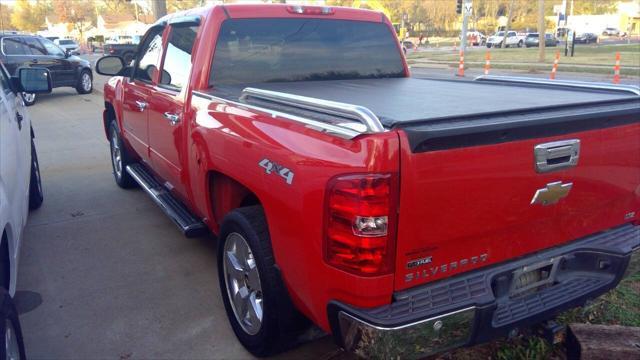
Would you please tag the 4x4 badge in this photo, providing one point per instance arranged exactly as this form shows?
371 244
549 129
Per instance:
552 193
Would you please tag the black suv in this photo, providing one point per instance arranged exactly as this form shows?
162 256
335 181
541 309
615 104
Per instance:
18 51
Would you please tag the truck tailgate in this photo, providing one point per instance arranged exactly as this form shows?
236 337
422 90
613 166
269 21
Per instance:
466 207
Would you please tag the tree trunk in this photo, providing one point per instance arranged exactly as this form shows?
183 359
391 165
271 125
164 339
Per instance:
541 31
158 8
506 28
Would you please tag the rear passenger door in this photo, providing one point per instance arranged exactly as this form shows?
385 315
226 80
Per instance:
166 108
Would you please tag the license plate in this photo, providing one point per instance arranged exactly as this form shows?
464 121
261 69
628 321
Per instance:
531 277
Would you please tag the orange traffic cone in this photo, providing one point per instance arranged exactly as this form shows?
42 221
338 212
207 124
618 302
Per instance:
461 65
616 69
554 69
487 62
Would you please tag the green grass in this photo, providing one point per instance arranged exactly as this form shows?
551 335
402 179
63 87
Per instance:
594 55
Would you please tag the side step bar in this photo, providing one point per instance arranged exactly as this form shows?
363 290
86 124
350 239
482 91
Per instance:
190 225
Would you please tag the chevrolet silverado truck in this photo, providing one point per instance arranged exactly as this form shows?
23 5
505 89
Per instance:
380 207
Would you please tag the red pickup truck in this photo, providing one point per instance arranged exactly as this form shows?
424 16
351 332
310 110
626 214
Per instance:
379 206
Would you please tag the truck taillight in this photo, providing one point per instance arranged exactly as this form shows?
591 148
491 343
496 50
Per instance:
310 10
360 223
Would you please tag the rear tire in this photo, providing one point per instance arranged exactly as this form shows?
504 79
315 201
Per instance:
248 277
28 98
85 82
36 195
120 158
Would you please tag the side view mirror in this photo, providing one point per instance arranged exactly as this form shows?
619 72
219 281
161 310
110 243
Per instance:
67 53
110 65
33 80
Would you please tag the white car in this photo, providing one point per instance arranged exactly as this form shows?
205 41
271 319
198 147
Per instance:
20 183
512 39
68 45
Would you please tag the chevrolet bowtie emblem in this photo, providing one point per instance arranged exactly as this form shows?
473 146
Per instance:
552 193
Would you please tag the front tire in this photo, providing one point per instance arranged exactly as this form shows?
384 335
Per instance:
85 82
520 44
255 299
120 158
12 344
28 98
36 195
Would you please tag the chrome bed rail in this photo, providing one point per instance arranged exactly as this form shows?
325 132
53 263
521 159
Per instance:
349 111
560 83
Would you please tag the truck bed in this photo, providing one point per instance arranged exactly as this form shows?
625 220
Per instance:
439 114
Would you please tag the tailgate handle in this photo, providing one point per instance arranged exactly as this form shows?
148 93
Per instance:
556 155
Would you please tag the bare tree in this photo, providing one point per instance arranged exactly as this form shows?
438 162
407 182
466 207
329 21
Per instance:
541 31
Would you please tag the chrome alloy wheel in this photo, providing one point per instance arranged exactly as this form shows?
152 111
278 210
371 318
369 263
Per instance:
11 341
28 97
86 82
116 154
243 283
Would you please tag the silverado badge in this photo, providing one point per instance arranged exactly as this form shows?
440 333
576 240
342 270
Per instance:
552 193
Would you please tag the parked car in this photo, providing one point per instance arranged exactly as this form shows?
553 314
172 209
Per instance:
533 39
611 31
123 46
20 180
586 38
402 227
35 51
476 38
512 39
68 45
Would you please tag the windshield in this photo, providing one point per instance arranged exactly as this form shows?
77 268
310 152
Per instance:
66 42
499 33
271 50
532 35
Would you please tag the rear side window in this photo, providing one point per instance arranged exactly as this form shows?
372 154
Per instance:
35 47
269 50
14 46
177 61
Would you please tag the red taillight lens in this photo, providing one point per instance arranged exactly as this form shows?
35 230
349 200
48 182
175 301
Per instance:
360 223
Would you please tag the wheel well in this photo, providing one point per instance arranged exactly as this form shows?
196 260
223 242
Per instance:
228 194
5 265
110 115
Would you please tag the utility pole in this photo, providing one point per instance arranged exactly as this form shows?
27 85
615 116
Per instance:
541 31
506 28
158 8
466 11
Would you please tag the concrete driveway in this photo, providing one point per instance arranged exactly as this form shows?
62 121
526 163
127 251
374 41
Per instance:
104 273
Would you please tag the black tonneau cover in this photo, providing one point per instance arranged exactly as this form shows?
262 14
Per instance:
439 114
401 100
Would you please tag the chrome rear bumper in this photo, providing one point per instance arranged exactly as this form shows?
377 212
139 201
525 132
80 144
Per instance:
478 306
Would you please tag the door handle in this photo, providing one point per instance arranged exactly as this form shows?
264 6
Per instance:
557 155
35 61
19 120
141 105
173 118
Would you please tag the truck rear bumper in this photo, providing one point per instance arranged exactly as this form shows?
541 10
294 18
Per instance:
478 306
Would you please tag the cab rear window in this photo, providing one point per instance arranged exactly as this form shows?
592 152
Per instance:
279 50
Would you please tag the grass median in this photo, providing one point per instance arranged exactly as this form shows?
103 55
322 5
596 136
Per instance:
598 59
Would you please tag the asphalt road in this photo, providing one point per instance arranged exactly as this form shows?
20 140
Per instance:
104 273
